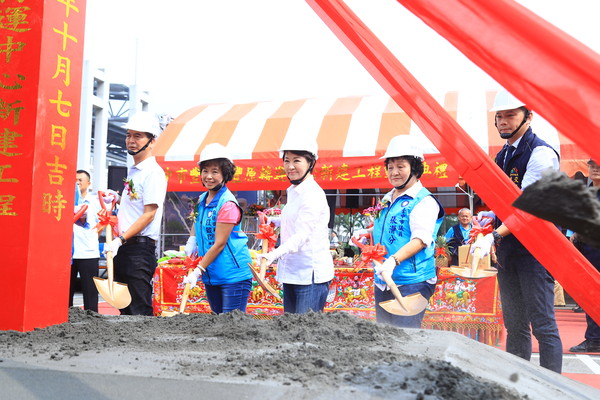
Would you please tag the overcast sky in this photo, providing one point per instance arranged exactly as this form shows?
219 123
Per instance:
191 52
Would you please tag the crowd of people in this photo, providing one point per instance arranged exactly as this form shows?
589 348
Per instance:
407 225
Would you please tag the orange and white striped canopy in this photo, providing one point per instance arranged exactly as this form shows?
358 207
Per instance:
352 134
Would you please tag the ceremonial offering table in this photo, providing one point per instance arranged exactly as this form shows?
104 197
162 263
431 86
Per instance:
467 306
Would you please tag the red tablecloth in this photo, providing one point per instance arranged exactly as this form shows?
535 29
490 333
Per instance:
468 306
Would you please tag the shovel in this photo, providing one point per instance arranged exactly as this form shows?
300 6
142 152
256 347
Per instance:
402 305
260 275
184 297
116 294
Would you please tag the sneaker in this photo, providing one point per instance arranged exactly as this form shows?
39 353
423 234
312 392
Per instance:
578 309
586 347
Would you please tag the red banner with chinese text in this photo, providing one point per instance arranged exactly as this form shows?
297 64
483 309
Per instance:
41 53
330 173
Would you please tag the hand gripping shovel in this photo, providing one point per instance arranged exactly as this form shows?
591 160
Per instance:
266 231
475 270
116 294
184 297
402 305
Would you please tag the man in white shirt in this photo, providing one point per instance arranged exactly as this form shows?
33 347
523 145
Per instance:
526 287
86 252
140 215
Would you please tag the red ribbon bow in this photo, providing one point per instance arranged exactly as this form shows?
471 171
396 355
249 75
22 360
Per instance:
373 253
479 229
267 232
105 219
191 263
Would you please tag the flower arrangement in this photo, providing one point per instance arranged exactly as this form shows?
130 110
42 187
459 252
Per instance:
193 215
254 209
130 189
376 210
273 212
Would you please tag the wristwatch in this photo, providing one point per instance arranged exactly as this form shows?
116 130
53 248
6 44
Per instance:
497 238
122 239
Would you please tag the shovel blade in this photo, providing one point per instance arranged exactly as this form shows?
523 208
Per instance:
411 305
264 284
117 294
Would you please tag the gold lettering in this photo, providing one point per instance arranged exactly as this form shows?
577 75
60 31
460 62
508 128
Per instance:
6 203
65 35
60 102
7 142
63 66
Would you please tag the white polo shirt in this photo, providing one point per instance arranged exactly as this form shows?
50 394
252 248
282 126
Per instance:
305 236
85 238
149 187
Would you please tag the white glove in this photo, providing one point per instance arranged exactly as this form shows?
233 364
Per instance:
193 276
275 221
109 196
485 216
484 243
191 246
270 257
388 266
113 246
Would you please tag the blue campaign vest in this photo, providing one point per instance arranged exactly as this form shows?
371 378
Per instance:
517 165
392 230
515 169
232 264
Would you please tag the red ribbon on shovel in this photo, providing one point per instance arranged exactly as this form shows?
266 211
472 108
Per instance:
105 216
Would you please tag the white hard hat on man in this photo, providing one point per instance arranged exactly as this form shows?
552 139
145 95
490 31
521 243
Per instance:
506 101
144 121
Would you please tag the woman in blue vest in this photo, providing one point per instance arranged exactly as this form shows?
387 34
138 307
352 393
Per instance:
407 226
218 237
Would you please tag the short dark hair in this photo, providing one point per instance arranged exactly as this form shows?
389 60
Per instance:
310 157
226 166
416 164
83 171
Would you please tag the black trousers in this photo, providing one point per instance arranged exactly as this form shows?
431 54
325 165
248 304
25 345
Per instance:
134 266
88 269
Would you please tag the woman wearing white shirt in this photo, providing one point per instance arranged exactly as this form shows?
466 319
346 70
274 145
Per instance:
305 266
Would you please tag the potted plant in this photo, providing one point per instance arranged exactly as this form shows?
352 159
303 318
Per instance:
442 252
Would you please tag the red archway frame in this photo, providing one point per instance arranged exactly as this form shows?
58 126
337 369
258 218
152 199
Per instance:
548 88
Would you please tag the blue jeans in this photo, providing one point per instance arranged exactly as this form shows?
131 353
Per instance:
403 321
299 299
229 296
527 293
134 265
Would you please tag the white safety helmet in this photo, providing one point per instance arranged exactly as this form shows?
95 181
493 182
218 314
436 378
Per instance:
506 101
213 151
299 143
144 121
404 145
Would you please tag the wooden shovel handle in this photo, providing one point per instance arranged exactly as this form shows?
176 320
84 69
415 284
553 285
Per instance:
476 257
392 285
184 297
263 262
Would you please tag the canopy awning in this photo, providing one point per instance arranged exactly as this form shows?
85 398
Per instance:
352 134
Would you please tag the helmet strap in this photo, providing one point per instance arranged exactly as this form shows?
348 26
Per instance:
135 153
308 171
513 133
405 182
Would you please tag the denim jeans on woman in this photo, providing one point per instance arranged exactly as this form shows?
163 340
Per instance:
229 296
300 299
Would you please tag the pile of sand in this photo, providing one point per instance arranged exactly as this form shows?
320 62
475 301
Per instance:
311 350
